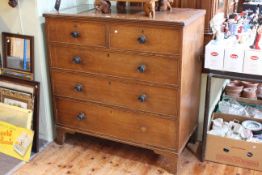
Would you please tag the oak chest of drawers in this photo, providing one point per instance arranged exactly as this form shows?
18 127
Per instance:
126 77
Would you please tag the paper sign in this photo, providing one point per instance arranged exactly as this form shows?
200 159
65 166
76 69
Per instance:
15 141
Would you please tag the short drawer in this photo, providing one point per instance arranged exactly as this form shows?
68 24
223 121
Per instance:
128 126
76 32
145 38
144 68
134 96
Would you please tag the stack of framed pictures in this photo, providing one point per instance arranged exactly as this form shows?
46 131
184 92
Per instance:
17 85
23 94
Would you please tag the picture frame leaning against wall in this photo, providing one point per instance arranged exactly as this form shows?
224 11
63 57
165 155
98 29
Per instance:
18 91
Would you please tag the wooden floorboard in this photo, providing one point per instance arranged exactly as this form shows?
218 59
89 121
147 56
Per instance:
83 155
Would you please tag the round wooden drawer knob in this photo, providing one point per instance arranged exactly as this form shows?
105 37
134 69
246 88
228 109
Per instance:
141 39
77 60
81 116
142 98
79 87
75 34
141 68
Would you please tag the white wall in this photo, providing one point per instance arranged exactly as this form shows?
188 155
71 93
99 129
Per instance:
45 6
47 121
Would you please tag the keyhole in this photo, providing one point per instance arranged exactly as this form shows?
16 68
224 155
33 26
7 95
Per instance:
109 82
226 150
249 154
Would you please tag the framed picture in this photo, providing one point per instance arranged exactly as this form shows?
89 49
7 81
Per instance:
22 118
18 55
23 93
17 98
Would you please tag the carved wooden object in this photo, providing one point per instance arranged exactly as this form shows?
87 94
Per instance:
149 8
103 6
13 3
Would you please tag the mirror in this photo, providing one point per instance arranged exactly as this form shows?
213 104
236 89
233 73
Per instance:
18 53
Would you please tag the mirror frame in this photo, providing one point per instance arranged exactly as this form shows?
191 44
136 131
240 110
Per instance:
29 75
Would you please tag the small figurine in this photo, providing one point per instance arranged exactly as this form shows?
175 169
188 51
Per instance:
103 6
149 8
258 34
225 29
233 24
215 25
164 5
254 18
13 3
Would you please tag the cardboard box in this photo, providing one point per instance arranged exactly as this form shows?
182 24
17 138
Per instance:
234 59
214 56
253 62
233 152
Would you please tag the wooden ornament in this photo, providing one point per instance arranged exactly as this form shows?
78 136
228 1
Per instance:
149 8
13 3
165 5
103 6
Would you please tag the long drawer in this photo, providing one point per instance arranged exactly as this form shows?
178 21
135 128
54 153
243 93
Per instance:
146 68
127 126
145 38
75 32
114 92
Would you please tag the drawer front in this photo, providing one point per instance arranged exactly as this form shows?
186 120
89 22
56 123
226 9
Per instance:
75 32
128 126
144 68
130 95
154 39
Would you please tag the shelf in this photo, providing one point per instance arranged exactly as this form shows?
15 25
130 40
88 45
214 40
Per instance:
233 75
245 100
231 117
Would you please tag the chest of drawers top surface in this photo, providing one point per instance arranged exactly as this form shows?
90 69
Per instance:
178 16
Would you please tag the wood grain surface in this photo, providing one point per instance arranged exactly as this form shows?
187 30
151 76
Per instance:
84 155
157 69
112 92
157 39
119 124
89 33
